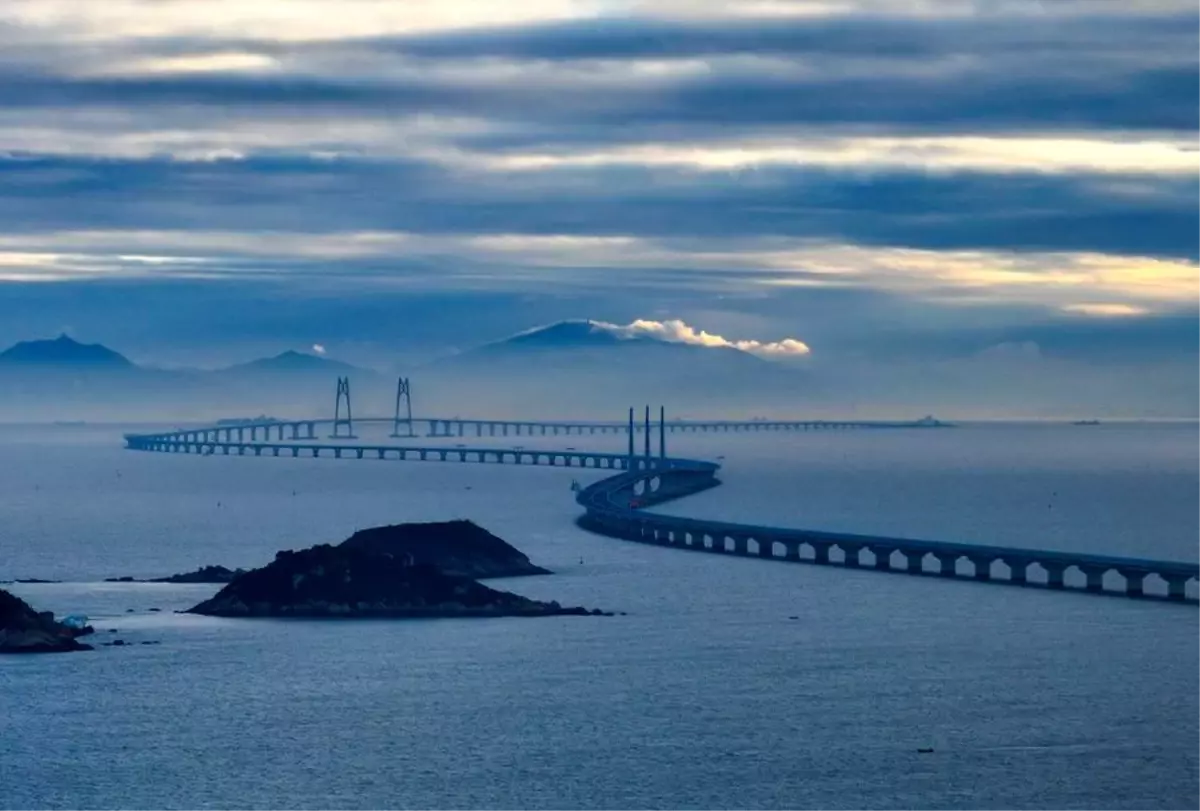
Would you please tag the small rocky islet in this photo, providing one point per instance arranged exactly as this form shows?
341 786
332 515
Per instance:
352 582
402 570
24 630
460 548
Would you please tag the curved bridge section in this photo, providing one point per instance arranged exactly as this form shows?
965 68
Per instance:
616 506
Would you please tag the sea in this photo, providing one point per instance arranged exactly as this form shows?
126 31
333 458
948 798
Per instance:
722 683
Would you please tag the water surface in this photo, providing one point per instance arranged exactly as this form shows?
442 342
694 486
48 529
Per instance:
731 682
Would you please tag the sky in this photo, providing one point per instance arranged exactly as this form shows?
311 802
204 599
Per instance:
935 193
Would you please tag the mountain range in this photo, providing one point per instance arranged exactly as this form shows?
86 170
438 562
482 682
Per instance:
576 368
65 353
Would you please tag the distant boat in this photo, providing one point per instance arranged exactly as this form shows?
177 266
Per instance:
1086 422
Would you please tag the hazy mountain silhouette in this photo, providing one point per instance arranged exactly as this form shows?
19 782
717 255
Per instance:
63 379
587 368
63 351
583 341
292 362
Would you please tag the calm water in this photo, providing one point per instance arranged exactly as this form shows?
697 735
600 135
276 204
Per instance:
707 694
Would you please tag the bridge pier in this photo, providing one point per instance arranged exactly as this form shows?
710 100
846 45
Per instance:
766 548
821 552
1017 571
947 564
913 561
851 555
1095 577
883 557
1134 582
983 567
1054 575
1176 586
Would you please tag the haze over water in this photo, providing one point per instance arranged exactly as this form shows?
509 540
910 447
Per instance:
729 682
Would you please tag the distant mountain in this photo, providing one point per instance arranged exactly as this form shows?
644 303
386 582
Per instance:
564 334
582 340
62 379
63 351
292 362
591 368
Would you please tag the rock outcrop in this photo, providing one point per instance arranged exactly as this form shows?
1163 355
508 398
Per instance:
350 581
459 548
205 574
23 630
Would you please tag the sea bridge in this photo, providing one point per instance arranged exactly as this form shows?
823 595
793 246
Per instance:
465 427
618 506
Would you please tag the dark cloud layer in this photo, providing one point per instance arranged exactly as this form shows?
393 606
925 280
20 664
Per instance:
946 211
357 162
1125 71
925 38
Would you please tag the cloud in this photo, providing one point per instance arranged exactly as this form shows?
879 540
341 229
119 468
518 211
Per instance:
676 331
318 348
1105 309
913 161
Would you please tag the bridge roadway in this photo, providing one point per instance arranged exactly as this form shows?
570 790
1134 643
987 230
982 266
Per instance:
184 442
283 430
617 506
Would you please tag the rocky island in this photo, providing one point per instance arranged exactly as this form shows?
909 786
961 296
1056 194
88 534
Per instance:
23 630
352 581
461 548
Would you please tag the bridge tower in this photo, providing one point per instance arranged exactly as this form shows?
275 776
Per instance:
647 427
632 453
403 394
662 432
341 423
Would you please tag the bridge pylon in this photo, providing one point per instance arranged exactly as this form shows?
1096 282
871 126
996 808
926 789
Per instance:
403 395
343 427
632 452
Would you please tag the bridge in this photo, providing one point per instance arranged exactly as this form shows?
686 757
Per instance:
405 425
282 430
617 505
